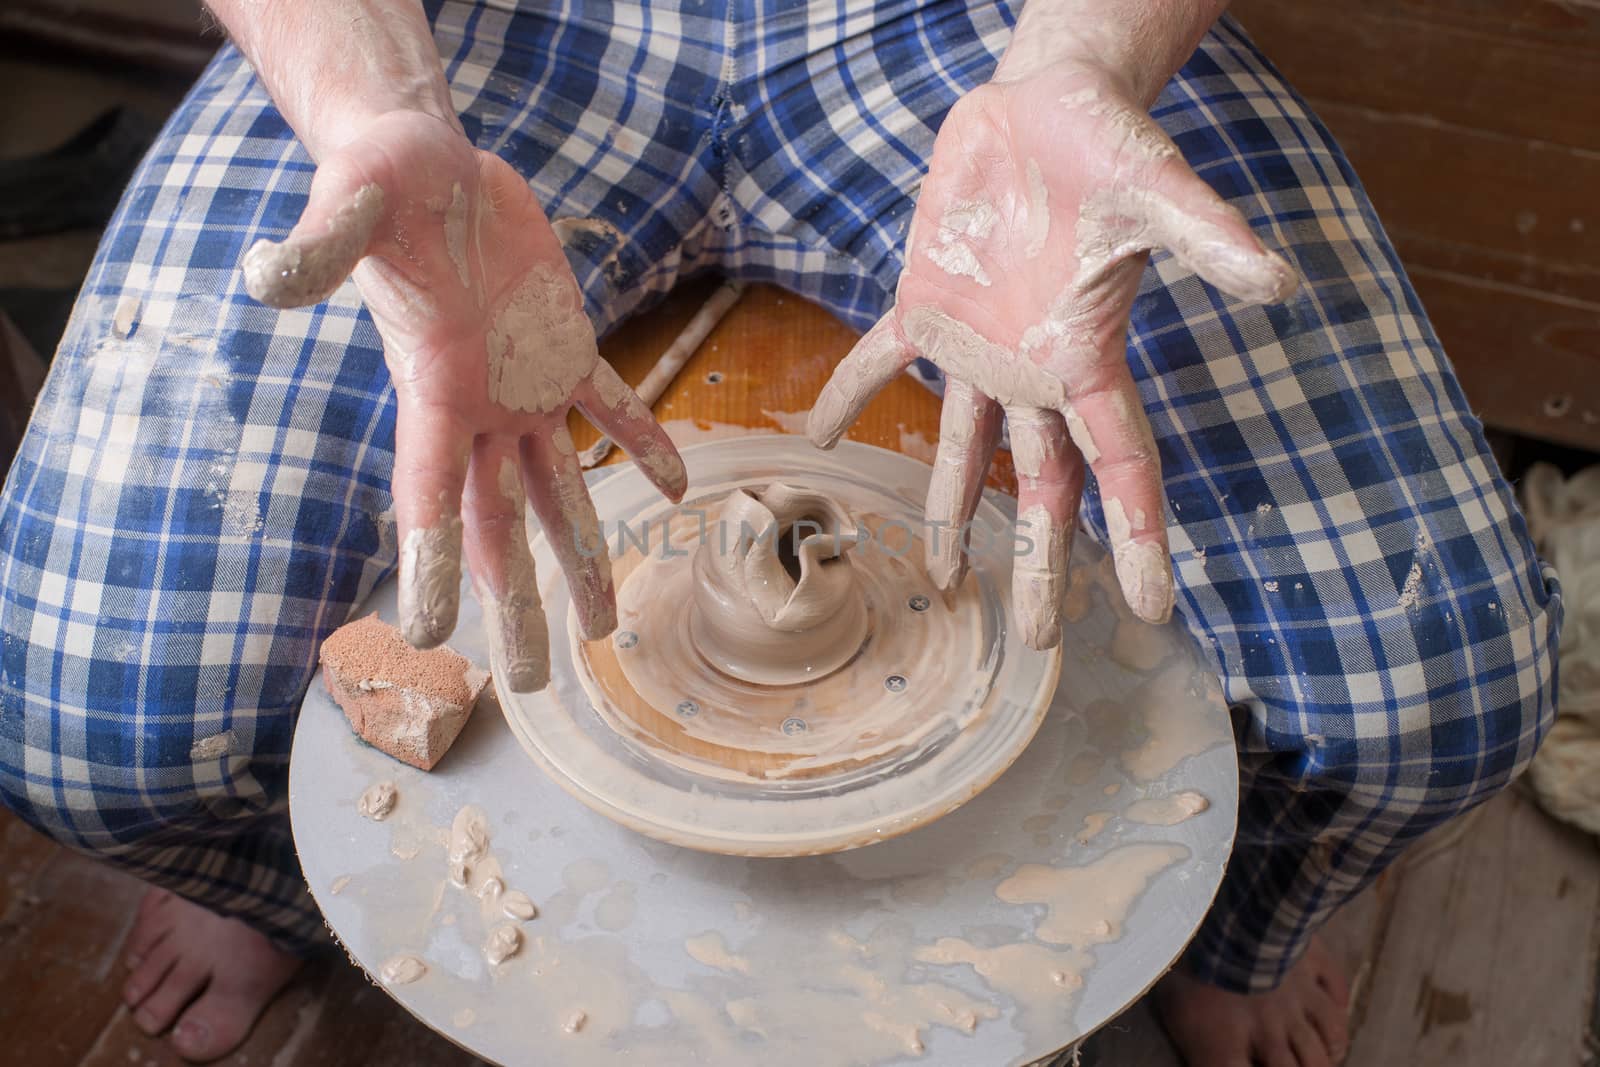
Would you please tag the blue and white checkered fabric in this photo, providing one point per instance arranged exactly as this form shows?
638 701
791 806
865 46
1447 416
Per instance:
204 492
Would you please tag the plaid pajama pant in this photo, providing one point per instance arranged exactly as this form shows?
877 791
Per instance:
203 494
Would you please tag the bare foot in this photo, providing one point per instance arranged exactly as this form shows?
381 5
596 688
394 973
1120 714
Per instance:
1302 1023
210 975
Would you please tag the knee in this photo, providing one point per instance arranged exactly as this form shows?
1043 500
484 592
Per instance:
1519 660
1463 714
103 743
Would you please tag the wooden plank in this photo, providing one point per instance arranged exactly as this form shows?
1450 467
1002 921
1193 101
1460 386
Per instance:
25 854
60 980
1485 961
1572 24
1133 1038
1564 281
1525 208
773 353
1450 128
1523 68
1528 363
168 37
1355 935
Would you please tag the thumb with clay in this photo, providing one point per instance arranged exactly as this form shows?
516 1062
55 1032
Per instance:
330 238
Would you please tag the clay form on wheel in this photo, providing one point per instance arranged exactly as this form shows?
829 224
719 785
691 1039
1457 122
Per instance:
782 604
785 678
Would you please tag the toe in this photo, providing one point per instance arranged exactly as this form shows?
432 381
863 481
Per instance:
1329 1018
1329 1022
221 1018
1272 1048
154 900
1213 1043
1333 985
1309 1048
150 925
147 976
1329 975
215 1024
1208 1026
162 1005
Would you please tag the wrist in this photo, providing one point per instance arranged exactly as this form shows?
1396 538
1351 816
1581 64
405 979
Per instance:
333 69
1136 48
341 110
1070 71
329 130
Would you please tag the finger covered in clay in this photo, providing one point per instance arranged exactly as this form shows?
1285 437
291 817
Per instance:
325 245
1050 479
1110 420
619 413
503 572
877 358
969 432
429 475
560 499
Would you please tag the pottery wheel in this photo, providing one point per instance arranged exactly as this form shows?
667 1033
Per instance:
677 732
997 934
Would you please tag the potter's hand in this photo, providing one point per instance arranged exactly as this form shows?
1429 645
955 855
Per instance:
1045 195
484 334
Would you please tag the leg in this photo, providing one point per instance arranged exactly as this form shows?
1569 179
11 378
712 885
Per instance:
621 159
193 506
203 496
1345 549
197 501
1344 542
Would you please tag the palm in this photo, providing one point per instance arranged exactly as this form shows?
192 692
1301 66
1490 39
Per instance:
1042 201
464 231
998 152
486 340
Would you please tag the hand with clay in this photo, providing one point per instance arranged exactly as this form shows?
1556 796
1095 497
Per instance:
1048 188
483 332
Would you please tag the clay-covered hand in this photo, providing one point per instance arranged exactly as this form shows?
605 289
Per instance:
1044 197
485 336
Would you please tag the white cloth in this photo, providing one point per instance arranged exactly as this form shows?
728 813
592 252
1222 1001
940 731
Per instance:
1564 518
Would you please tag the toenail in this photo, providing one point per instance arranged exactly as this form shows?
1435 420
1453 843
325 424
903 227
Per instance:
133 994
191 1033
145 1019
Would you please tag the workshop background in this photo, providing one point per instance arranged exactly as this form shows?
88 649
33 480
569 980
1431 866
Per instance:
1475 125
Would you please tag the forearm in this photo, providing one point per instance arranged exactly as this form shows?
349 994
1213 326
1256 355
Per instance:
1143 42
332 67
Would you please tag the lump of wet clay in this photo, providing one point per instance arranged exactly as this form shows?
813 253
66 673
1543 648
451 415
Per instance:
518 905
504 942
378 801
402 970
407 703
